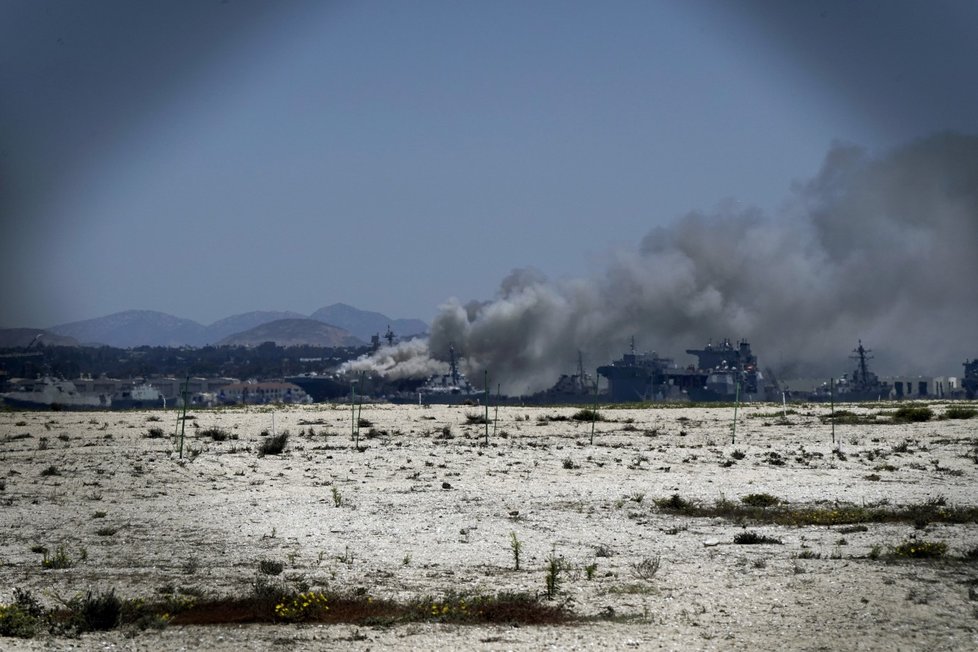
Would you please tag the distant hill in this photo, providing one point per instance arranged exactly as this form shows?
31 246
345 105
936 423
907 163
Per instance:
363 323
246 321
136 328
20 337
293 332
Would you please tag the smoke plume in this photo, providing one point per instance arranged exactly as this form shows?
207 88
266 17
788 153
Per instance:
879 249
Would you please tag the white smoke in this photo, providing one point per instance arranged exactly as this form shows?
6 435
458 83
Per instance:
885 250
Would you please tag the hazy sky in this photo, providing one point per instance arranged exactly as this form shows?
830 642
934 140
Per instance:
211 158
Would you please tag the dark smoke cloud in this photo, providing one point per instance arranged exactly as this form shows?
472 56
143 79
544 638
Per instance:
882 249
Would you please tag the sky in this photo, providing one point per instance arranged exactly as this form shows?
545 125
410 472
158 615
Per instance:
211 158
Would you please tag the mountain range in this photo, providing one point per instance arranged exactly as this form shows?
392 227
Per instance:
133 328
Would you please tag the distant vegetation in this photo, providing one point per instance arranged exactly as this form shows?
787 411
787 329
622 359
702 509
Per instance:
264 361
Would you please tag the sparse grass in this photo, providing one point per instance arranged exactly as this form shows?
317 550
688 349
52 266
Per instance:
933 511
60 559
959 412
358 608
848 417
476 418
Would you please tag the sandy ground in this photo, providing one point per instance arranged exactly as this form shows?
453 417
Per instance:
422 514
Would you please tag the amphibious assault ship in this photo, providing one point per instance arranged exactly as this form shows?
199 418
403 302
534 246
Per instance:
723 373
732 373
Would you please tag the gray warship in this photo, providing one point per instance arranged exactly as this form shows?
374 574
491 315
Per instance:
970 380
861 385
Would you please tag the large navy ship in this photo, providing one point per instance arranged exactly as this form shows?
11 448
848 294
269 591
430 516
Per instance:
48 393
861 385
723 373
727 367
637 377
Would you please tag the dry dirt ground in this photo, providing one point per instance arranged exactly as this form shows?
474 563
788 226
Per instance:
420 512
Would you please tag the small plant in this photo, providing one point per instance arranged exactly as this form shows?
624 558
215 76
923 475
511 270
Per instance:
273 445
337 496
303 607
912 414
270 567
753 538
569 463
920 549
553 580
808 554
647 567
106 531
760 500
590 570
16 622
216 434
50 471
407 559
98 612
191 565
476 419
155 433
60 559
587 414
516 546
674 503
959 412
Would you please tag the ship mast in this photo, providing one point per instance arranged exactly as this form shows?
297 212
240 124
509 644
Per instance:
580 371
862 371
452 364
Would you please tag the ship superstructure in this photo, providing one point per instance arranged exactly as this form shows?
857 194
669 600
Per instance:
727 366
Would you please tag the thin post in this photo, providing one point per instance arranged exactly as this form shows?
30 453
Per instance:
832 399
273 424
733 439
594 407
495 416
183 419
360 410
353 408
487 407
784 405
